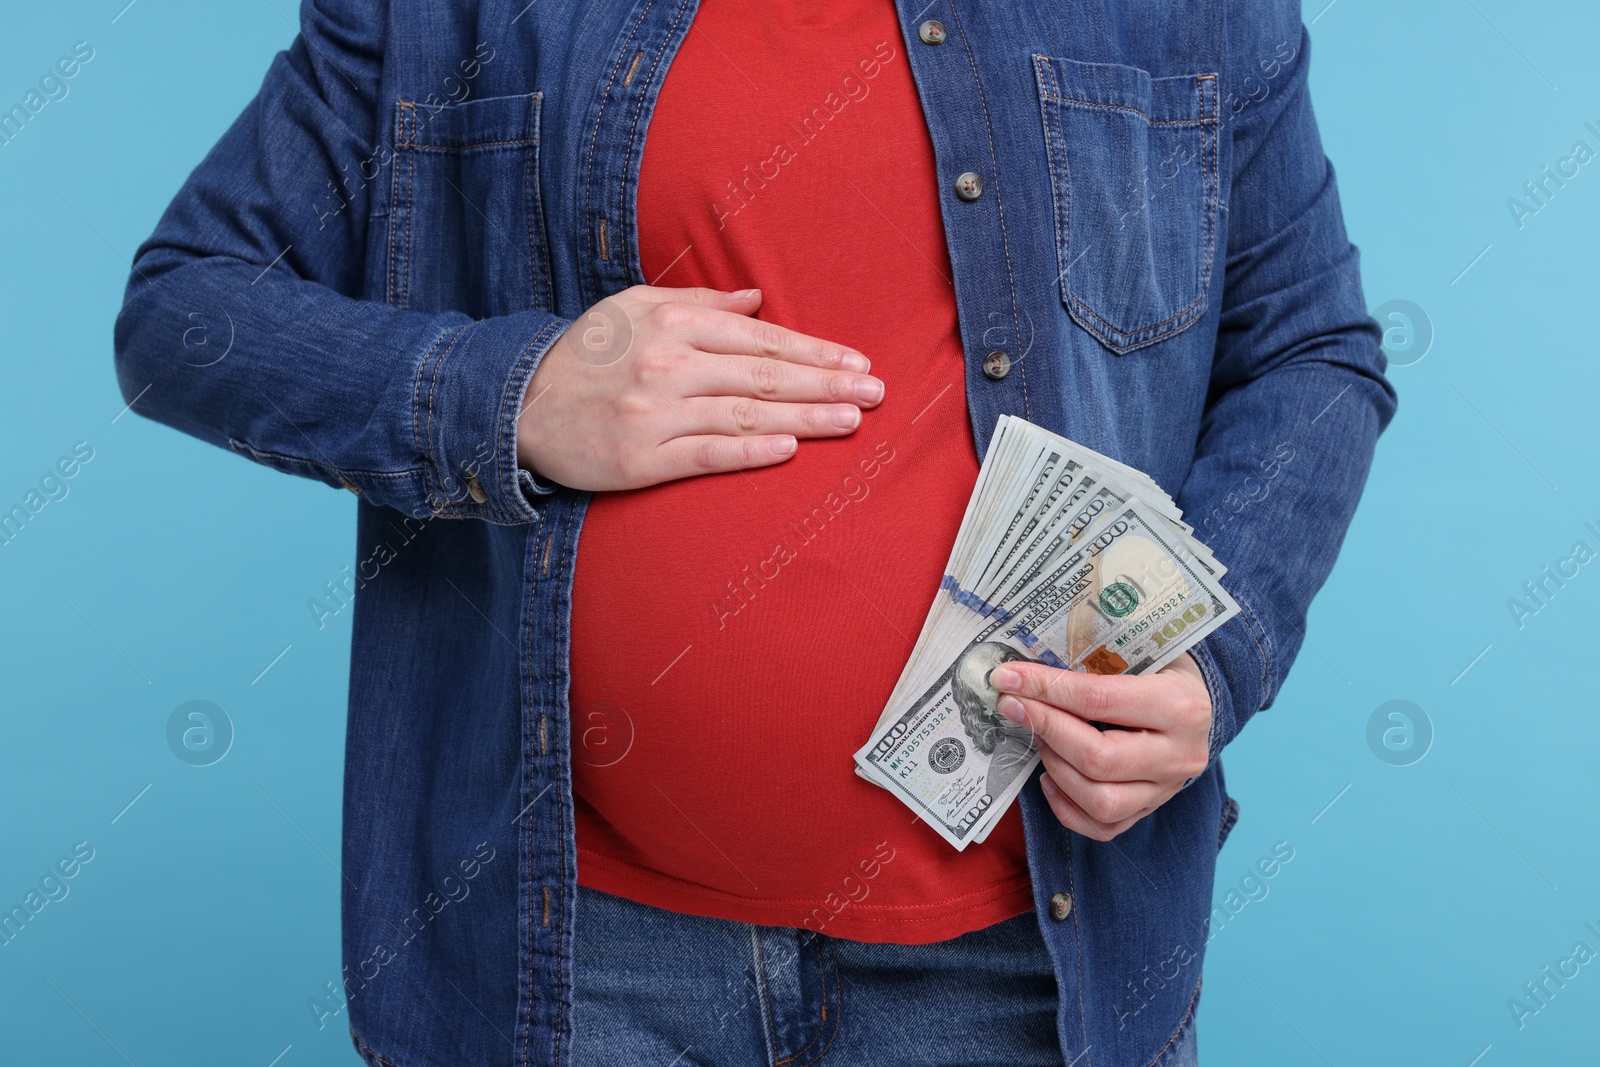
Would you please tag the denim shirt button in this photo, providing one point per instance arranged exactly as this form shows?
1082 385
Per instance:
475 490
932 32
996 365
352 486
1060 906
969 186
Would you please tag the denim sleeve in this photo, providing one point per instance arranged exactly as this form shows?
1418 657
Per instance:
243 324
1297 395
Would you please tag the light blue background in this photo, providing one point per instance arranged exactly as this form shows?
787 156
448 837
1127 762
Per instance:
1415 905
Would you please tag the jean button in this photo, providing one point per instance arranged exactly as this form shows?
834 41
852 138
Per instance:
996 365
932 32
1060 906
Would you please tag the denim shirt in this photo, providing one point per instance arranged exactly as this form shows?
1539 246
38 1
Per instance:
424 196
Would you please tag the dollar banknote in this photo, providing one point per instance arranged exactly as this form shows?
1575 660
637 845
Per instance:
1064 557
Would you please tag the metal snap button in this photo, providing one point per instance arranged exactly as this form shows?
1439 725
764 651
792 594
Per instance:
1060 906
996 365
475 491
932 32
969 186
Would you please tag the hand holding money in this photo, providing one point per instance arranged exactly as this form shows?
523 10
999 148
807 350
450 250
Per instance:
1100 782
1069 560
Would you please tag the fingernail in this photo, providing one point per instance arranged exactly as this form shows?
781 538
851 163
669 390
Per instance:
846 418
783 446
746 294
855 361
869 390
1004 678
1012 709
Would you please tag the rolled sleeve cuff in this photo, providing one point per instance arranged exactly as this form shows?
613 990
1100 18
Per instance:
467 404
1238 666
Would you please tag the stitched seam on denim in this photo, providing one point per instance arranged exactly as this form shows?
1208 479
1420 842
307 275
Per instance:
1269 656
394 200
437 353
1269 661
1060 187
411 214
1193 999
822 1022
1143 329
452 509
999 202
525 845
630 236
1077 937
1212 198
507 431
763 997
533 215
408 127
1258 634
1133 110
363 1046
424 146
558 1031
411 209
410 138
838 1012
1055 93
599 119
250 451
428 426
417 440
1211 673
1230 815
530 194
568 831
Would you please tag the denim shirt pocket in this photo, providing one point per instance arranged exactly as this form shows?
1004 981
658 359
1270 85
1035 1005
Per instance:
1133 167
466 222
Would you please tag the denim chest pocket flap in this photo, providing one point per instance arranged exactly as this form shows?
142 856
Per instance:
467 226
1133 167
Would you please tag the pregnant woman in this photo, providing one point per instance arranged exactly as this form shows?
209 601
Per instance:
657 342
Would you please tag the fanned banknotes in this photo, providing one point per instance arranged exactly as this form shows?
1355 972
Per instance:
1066 557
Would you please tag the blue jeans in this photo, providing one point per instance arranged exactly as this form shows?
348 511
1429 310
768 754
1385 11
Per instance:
653 988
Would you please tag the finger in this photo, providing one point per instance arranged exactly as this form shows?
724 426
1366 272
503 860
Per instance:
773 379
735 334
1107 803
1075 818
685 457
1141 701
743 417
742 301
1100 755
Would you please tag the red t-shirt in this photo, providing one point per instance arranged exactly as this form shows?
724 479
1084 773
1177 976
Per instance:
735 636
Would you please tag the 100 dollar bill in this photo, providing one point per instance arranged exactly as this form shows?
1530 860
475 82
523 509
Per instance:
1126 598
